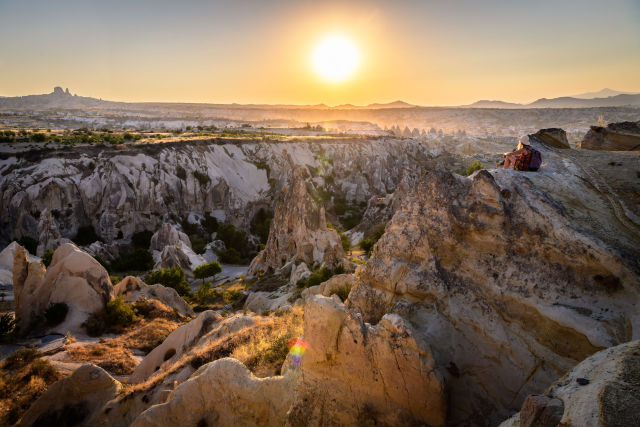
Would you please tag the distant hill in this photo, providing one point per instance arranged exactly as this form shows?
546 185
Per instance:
604 93
494 104
619 100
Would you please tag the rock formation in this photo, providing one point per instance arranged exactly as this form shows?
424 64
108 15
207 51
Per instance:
173 256
603 390
223 393
298 232
173 346
553 137
73 278
168 235
331 286
624 136
353 372
131 289
507 278
48 235
74 400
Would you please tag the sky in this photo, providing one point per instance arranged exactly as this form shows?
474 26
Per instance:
429 52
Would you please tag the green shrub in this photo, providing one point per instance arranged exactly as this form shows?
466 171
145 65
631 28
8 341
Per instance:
230 256
29 243
47 257
475 166
56 313
115 279
202 178
260 224
366 245
7 324
321 275
344 239
116 315
343 292
198 243
204 294
210 223
86 236
137 260
119 312
142 239
181 173
207 270
173 277
39 137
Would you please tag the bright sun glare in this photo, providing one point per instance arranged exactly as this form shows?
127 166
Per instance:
335 58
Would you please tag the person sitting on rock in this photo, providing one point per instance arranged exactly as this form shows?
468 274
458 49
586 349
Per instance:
521 158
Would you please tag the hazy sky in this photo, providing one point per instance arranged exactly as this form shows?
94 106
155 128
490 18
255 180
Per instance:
429 52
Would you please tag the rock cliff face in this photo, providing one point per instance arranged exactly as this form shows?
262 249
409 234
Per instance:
298 232
603 390
553 137
122 191
511 278
623 136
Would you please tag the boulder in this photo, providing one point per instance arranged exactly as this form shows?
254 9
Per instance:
107 251
508 278
73 278
298 232
299 272
131 289
603 390
174 345
624 136
552 137
167 235
223 393
353 372
173 256
74 400
334 285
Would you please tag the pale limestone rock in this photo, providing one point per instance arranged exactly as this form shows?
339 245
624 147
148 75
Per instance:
331 286
48 234
553 137
298 232
107 251
168 235
223 393
624 136
131 289
603 390
299 272
76 399
174 345
508 278
73 278
173 256
353 372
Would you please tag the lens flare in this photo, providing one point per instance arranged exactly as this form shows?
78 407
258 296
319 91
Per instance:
297 348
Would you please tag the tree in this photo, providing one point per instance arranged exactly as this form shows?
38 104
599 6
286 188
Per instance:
207 270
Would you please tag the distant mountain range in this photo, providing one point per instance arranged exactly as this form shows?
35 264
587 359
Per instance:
603 98
63 99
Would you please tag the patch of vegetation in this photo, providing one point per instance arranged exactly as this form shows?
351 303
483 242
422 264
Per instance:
210 223
7 325
230 256
260 224
137 260
114 317
86 236
110 356
368 243
29 243
56 313
24 376
173 277
317 277
235 239
208 269
344 239
47 257
202 178
142 239
181 173
475 166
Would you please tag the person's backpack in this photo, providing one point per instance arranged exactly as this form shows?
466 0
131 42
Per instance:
536 159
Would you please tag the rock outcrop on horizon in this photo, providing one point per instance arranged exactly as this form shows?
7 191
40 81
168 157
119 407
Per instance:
602 390
73 277
298 233
511 278
623 136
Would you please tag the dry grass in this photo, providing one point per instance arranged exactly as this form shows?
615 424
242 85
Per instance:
24 376
262 346
148 336
109 355
265 350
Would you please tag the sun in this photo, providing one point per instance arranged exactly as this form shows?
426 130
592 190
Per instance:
335 58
